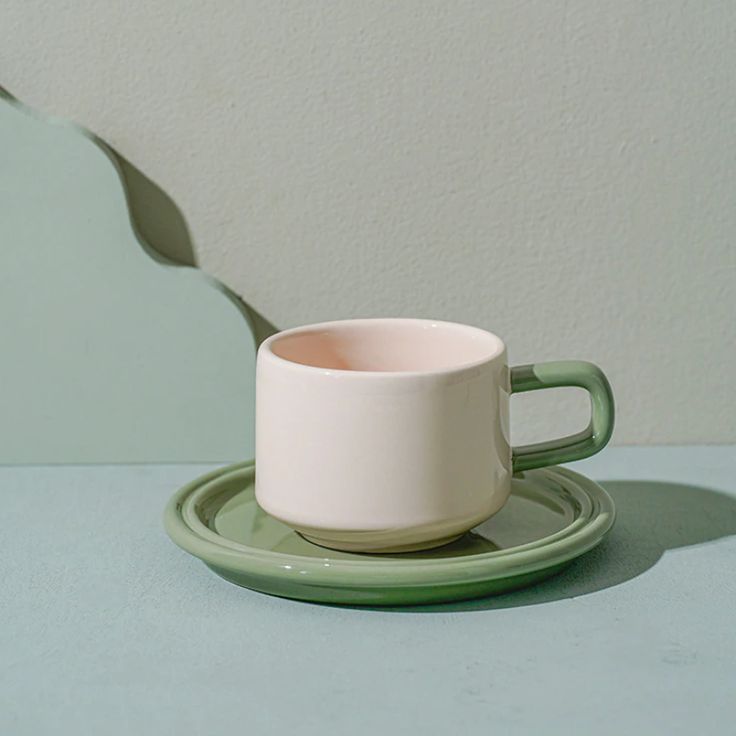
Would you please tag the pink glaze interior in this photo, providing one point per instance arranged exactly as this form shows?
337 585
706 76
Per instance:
387 345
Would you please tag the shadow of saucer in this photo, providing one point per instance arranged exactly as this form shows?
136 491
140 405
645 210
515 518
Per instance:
652 517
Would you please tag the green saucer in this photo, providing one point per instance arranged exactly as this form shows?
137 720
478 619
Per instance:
553 516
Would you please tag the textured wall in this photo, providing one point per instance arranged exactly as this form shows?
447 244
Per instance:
561 173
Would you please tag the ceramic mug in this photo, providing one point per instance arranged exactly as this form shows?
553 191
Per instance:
388 435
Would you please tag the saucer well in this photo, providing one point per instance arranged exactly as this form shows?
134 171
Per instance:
553 516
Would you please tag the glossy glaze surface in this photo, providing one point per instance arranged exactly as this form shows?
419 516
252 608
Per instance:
552 516
557 374
397 430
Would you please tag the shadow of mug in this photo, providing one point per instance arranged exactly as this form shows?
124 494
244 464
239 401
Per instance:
651 518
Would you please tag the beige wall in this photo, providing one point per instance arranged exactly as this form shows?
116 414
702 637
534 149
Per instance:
563 173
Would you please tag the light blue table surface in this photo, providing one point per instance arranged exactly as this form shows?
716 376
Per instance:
108 628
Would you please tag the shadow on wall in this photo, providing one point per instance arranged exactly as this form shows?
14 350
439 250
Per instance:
652 517
162 226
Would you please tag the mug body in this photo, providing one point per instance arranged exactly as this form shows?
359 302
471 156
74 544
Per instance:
382 435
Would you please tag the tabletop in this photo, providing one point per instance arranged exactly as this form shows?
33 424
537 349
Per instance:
108 627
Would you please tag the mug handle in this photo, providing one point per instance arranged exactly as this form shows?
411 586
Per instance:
555 374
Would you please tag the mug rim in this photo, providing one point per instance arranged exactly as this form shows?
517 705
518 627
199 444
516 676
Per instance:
498 347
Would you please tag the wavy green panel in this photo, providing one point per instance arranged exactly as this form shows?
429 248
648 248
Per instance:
109 354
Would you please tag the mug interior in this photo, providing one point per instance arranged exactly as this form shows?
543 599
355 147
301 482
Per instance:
386 345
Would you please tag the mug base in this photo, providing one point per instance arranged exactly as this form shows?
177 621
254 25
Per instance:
377 548
391 539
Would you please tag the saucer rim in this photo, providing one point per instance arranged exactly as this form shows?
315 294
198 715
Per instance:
584 533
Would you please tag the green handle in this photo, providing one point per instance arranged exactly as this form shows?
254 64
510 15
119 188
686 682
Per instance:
576 446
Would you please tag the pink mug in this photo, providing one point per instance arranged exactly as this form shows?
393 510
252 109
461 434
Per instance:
390 435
